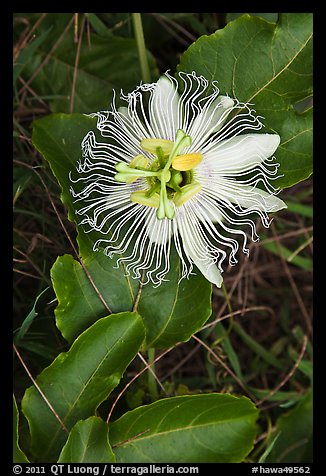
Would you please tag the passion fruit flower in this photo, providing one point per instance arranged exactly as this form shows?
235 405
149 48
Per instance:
187 170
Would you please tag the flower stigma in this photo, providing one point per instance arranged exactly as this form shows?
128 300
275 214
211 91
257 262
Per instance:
170 176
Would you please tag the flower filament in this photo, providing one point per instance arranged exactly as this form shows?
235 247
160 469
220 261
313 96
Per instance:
170 177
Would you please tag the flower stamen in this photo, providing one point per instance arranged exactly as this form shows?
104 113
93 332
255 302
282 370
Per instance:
151 145
187 192
127 174
186 162
141 197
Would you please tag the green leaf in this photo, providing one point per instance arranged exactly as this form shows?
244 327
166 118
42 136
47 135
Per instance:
79 380
222 337
280 396
271 17
294 444
305 366
27 53
79 306
256 347
269 448
18 455
176 309
167 314
44 350
28 320
104 64
88 442
209 428
167 317
299 208
277 249
58 138
269 65
99 27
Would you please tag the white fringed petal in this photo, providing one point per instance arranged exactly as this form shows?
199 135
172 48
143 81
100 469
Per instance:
255 198
195 245
164 109
208 211
210 120
208 268
210 272
158 231
243 152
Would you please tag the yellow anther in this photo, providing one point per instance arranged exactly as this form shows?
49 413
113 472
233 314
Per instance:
186 162
142 198
139 161
124 178
187 192
151 145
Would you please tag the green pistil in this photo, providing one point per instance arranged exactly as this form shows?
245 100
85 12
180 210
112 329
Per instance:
175 180
164 175
181 141
155 189
166 209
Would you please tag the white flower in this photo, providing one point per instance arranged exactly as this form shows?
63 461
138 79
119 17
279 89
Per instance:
186 171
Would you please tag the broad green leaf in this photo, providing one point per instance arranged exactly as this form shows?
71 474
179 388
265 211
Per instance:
272 17
104 64
58 138
79 306
18 455
268 65
88 442
208 428
79 380
176 309
294 444
168 315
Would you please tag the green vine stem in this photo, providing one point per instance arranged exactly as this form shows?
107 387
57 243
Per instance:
142 53
152 385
